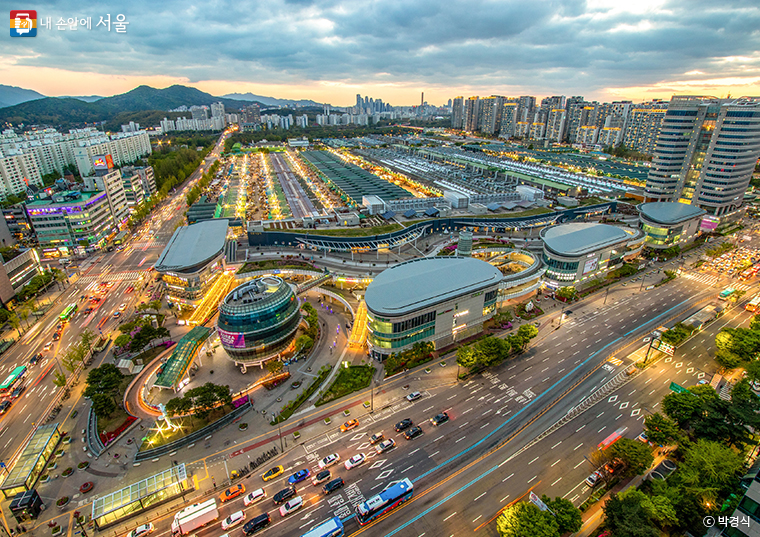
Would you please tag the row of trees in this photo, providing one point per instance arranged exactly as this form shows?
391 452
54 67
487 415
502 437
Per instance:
492 350
104 390
198 189
139 332
75 355
739 346
524 519
417 354
200 401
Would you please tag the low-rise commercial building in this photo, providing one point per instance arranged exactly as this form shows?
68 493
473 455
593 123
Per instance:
439 299
575 254
668 224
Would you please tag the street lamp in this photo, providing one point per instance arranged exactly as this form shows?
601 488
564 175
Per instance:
78 518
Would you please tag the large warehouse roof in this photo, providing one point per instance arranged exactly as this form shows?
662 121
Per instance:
421 283
575 239
193 245
669 212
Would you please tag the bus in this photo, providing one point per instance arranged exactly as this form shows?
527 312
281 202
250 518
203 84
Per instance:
753 304
331 528
68 313
12 380
121 237
726 293
389 498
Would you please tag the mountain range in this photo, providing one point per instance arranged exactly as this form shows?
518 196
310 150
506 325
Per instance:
271 101
12 95
70 111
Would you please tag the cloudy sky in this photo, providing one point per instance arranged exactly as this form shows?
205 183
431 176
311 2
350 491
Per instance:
329 50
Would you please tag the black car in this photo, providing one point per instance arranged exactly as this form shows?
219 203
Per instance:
260 522
56 336
18 391
4 406
403 424
284 495
333 485
414 432
439 418
35 359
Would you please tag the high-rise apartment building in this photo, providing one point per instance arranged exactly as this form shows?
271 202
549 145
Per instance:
457 113
490 114
199 112
644 125
556 124
109 180
706 152
471 114
509 117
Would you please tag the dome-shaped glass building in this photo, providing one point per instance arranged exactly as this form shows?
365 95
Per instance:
258 319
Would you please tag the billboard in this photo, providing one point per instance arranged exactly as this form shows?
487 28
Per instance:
709 223
109 161
232 340
99 162
591 265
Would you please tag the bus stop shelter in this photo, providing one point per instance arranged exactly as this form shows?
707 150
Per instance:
32 461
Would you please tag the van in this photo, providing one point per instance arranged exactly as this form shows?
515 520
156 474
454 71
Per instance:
258 523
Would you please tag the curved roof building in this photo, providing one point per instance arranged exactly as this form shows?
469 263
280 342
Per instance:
439 299
576 253
258 319
669 223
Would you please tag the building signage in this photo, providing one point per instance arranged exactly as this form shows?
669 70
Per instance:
709 223
591 265
234 340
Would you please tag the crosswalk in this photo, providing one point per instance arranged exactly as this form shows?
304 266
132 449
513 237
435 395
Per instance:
615 361
711 279
152 243
112 277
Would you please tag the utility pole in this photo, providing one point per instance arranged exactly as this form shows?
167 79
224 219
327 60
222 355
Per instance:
606 295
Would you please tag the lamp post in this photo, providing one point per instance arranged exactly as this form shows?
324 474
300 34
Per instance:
372 395
77 516
655 335
279 431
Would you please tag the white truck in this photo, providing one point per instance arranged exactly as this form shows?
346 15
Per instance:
197 515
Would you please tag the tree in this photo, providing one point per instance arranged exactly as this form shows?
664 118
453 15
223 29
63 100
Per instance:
466 357
708 467
70 360
163 333
122 341
753 370
635 455
15 322
516 342
565 293
624 516
105 380
274 366
658 508
661 430
178 406
526 520
527 332
682 408
568 516
102 405
59 379
304 343
727 359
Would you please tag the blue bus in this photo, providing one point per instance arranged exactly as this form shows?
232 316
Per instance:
331 528
389 498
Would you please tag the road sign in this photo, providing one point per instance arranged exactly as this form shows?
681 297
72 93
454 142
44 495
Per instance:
537 501
677 388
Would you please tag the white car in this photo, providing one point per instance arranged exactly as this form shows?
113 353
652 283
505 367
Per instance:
141 531
291 505
356 460
233 520
329 461
122 307
413 396
254 497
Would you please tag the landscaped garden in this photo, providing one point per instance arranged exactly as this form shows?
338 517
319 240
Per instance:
349 380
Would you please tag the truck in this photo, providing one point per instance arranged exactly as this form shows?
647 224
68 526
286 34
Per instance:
197 515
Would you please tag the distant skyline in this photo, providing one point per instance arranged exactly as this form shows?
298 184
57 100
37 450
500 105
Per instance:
330 50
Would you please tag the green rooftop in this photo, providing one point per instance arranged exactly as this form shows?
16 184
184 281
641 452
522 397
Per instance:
179 362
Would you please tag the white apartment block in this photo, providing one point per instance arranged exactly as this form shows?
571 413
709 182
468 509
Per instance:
112 184
16 172
146 175
133 190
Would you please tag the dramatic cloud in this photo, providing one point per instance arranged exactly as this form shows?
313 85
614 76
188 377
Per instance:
329 49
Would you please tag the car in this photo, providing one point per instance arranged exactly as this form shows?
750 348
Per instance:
258 523
350 424
141 531
18 391
48 345
413 396
122 307
291 506
356 460
593 479
34 360
116 314
438 419
414 432
333 485
232 492
233 520
375 438
329 461
385 446
403 424
56 336
284 495
254 497
4 406
299 476
321 477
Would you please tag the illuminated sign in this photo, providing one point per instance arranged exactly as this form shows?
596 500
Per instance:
234 340
590 266
461 313
99 162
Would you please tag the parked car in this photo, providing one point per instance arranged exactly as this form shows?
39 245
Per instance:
333 485
284 495
385 446
273 473
413 396
141 531
233 520
321 477
438 419
377 437
299 476
254 497
291 506
329 461
356 460
403 424
232 492
350 424
414 432
593 479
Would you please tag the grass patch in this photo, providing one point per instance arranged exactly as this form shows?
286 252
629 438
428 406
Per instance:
351 232
277 264
292 406
113 421
150 354
349 380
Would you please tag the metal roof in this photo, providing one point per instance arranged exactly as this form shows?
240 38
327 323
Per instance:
182 356
575 239
669 212
193 245
424 282
32 452
137 491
